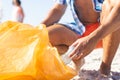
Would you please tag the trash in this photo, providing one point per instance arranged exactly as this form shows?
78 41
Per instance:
26 54
65 57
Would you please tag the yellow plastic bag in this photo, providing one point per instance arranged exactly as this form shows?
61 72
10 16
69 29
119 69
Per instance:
26 54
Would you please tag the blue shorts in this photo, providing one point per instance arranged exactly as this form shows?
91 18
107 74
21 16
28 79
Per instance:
77 25
72 26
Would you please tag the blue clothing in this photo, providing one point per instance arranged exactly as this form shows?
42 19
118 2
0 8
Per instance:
77 25
98 4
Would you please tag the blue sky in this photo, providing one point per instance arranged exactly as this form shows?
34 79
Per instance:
35 10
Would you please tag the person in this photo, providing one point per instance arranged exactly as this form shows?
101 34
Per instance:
18 13
62 35
86 20
108 30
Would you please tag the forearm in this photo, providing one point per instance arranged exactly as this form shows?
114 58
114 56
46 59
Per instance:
54 15
110 23
51 18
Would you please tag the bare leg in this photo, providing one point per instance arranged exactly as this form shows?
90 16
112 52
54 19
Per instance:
61 37
110 45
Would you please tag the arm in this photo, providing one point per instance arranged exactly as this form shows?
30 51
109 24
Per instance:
20 14
54 14
110 22
110 19
23 15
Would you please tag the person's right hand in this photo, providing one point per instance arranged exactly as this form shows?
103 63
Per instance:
82 47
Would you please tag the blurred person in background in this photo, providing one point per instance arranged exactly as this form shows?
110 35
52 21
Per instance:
18 13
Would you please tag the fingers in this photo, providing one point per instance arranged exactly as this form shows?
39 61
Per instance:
74 48
79 56
80 49
76 53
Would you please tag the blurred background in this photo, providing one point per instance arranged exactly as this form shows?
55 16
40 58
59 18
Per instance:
34 10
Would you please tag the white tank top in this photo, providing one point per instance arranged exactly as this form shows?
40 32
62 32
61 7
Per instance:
16 16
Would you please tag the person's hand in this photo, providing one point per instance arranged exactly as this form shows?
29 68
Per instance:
82 47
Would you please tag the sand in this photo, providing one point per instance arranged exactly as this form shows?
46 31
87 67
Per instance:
90 70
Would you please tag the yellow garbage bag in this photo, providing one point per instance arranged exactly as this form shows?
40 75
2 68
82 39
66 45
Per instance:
26 54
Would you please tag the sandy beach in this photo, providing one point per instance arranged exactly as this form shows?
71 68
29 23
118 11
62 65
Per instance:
90 70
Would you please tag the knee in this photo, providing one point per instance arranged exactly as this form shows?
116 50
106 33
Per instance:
54 37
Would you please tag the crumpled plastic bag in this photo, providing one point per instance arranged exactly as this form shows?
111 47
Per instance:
26 54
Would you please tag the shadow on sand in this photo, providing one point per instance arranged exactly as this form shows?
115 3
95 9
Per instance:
95 75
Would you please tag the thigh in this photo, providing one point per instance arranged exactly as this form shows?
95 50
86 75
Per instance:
59 34
118 35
